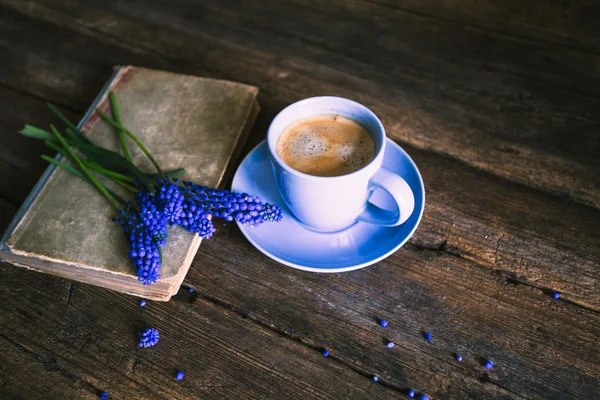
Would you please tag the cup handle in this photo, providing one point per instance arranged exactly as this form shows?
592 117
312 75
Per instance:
400 192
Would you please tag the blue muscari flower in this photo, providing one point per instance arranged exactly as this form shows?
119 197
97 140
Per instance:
144 250
163 208
103 395
190 206
489 364
241 207
411 393
151 217
180 375
170 200
148 338
195 219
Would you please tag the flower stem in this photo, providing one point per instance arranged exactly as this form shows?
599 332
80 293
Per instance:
133 137
115 110
64 166
124 185
104 157
168 174
56 148
72 130
110 174
73 171
117 178
84 170
159 251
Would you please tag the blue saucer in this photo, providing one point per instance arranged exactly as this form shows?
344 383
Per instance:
290 243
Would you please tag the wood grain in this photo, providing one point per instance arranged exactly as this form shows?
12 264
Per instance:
541 348
492 101
7 211
495 101
77 348
512 244
571 24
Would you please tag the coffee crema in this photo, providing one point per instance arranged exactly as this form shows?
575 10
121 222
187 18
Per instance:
326 145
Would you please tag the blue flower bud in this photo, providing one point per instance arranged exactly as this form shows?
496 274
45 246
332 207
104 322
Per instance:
148 338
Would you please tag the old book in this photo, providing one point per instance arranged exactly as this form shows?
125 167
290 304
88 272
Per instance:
64 227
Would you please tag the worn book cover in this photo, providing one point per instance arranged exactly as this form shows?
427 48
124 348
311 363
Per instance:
65 227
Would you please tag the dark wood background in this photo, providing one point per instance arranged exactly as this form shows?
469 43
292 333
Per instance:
498 102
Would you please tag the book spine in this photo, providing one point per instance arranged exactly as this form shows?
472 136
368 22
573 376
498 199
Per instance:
48 172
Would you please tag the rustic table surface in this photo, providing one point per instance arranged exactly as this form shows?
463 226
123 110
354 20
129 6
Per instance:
498 103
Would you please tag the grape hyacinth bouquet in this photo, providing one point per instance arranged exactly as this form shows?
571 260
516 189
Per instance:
159 200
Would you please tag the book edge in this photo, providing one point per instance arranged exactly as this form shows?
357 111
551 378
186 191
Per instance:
253 88
193 250
164 295
238 146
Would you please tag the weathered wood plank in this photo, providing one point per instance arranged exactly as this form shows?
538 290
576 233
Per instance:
516 231
87 343
544 241
71 73
457 101
353 27
572 24
510 116
7 211
39 368
521 234
541 348
461 102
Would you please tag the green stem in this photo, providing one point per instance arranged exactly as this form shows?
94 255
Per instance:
73 171
117 178
133 137
104 157
110 174
84 170
168 174
124 185
159 252
72 130
115 110
56 148
64 166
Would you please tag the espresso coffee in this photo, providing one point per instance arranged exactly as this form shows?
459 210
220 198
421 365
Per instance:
326 145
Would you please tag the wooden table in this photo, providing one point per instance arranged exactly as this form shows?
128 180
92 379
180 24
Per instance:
498 102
